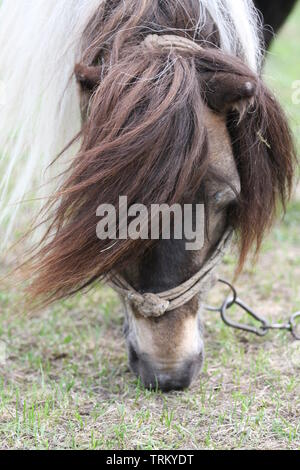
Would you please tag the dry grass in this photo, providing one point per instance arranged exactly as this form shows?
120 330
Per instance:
65 382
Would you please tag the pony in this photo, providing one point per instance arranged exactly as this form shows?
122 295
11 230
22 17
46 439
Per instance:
161 101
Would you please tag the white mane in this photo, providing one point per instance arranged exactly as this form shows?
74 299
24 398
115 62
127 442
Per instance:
39 104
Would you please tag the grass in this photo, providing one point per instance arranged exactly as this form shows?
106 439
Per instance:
65 382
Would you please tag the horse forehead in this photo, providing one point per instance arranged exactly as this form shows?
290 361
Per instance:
220 148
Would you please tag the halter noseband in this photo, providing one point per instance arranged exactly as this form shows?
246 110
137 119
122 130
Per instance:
167 42
155 305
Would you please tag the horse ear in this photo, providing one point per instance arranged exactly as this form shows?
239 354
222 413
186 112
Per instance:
228 91
87 76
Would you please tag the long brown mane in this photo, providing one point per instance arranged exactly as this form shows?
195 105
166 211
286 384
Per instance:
144 136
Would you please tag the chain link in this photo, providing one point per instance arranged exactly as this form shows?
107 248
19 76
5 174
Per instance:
291 325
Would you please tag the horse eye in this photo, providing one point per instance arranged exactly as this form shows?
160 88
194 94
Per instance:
221 200
219 196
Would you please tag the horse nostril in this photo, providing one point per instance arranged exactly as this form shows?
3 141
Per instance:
133 357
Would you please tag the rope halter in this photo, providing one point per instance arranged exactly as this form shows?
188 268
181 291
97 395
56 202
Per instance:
167 42
155 305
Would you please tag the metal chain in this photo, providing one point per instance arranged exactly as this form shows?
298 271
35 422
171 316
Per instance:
265 325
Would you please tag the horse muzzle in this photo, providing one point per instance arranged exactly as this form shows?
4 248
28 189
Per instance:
165 377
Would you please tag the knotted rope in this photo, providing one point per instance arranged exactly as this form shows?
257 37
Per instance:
156 305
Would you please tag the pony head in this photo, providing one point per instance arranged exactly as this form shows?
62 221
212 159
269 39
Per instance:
171 114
